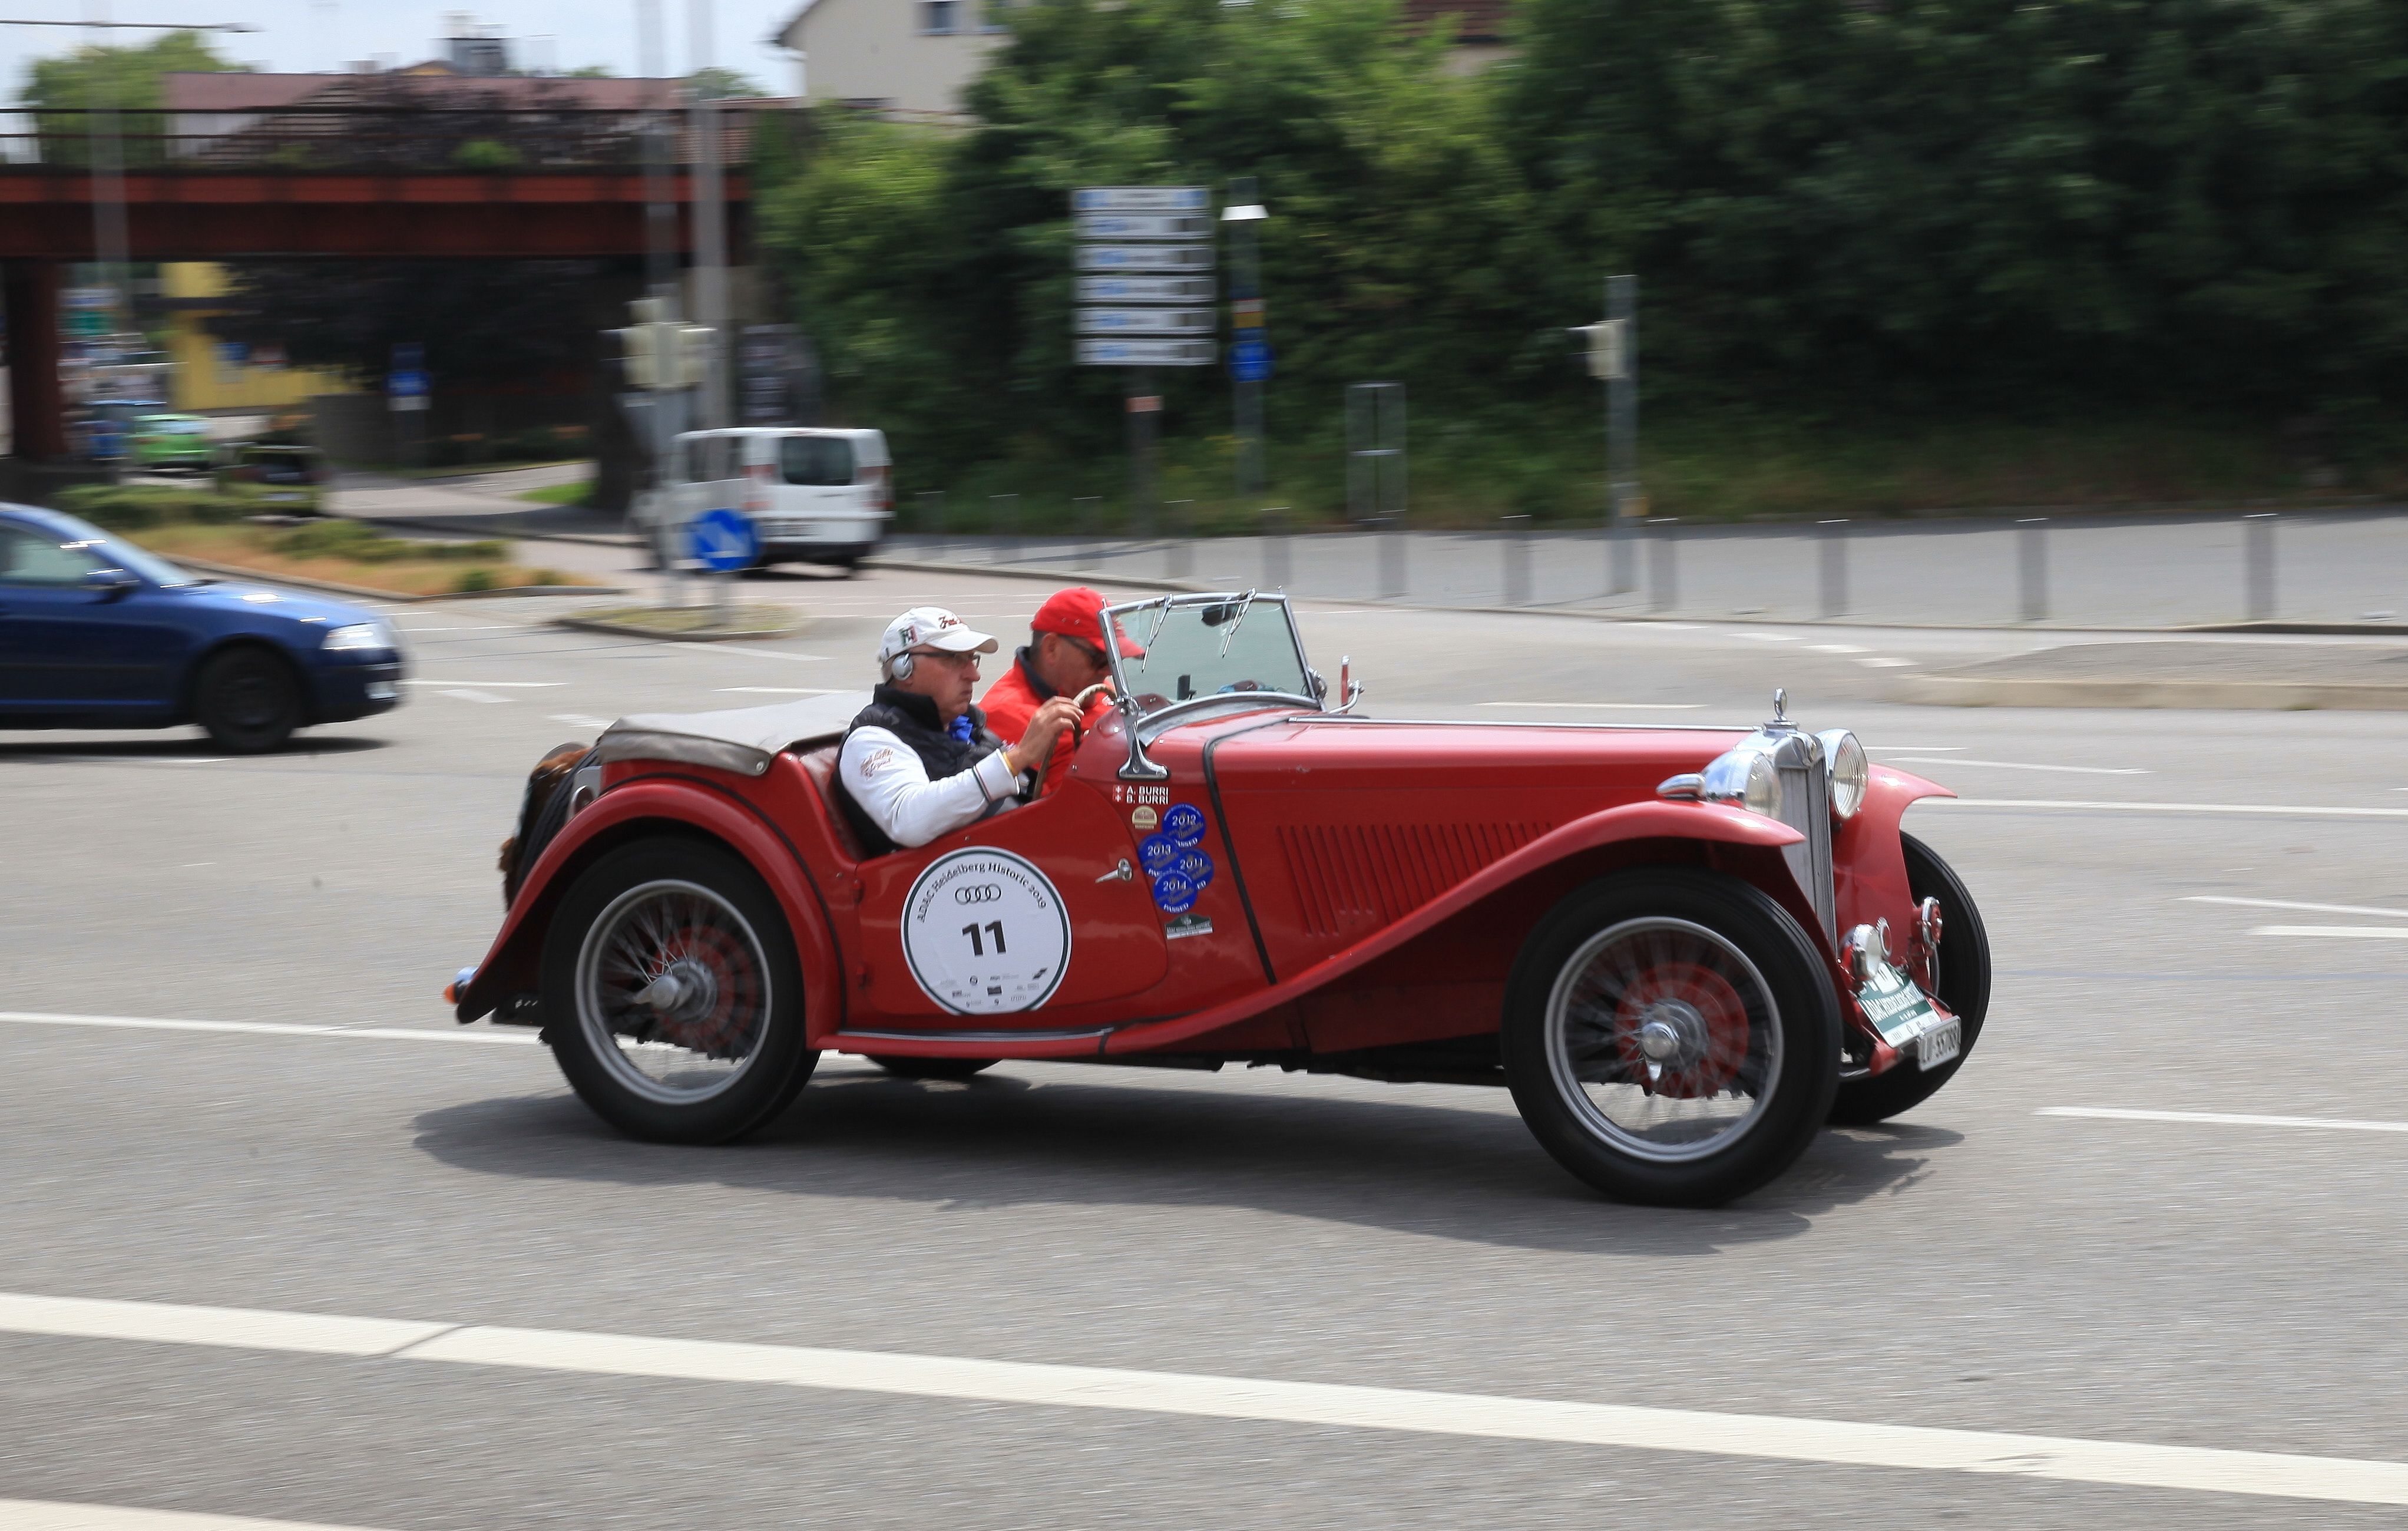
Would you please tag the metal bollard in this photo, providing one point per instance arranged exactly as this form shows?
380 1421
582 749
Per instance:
1663 570
2258 577
1621 552
1390 571
1178 552
2032 533
1274 531
1083 516
1003 526
1514 547
1835 568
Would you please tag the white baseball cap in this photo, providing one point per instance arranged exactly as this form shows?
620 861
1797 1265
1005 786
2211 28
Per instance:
931 627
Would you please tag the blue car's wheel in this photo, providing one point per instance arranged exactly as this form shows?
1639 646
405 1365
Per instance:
249 700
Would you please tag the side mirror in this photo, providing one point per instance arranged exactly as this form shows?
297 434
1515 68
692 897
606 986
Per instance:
108 584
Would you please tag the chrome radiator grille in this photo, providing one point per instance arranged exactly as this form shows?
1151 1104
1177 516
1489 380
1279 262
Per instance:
1806 808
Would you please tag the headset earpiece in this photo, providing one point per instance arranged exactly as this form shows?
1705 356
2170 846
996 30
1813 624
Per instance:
899 667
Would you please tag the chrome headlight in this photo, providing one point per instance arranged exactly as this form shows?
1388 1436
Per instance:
1849 771
1743 777
366 634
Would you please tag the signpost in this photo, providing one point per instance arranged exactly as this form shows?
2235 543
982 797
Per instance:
406 392
1610 346
1144 259
1250 358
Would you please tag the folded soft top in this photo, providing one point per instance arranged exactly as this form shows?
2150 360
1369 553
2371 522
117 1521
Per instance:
743 740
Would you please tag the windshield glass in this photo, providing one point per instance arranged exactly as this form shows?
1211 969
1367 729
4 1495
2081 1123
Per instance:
1210 645
115 553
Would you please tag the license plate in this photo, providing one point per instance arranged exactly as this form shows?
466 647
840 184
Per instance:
380 690
1940 1044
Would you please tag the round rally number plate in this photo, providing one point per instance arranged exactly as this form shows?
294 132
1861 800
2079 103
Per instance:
985 932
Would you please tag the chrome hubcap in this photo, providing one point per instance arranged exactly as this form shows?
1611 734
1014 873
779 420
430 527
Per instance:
673 992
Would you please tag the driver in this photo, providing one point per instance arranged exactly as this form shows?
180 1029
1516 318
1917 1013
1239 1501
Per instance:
1065 654
918 760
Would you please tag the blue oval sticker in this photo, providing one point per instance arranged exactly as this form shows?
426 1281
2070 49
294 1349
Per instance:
1173 894
1183 822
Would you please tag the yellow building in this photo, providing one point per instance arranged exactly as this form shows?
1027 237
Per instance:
212 374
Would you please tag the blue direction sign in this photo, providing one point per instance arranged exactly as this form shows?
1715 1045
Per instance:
723 541
406 385
1250 361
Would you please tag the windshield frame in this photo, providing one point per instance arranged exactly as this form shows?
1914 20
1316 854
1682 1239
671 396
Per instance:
1151 725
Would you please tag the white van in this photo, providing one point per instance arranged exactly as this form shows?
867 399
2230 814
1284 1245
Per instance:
813 497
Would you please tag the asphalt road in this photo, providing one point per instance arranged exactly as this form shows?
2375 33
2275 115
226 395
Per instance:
1980 1266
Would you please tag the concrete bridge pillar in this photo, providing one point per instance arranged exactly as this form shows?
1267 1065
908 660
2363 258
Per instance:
37 404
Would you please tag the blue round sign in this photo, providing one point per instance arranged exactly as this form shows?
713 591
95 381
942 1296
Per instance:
1196 867
1184 823
1159 852
722 540
1173 894
1250 361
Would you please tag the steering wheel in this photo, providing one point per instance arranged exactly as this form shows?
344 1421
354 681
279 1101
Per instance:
1078 736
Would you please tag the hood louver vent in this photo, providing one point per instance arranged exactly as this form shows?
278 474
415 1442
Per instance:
1349 878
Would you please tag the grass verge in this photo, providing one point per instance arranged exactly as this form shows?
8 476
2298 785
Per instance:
675 621
577 493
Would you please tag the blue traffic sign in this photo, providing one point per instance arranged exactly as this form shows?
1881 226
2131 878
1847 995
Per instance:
406 385
1250 361
721 540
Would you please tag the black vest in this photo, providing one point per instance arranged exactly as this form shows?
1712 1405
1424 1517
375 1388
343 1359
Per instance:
912 718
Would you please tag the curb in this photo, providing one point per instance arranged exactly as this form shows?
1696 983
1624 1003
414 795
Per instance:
367 593
1006 571
621 629
2220 696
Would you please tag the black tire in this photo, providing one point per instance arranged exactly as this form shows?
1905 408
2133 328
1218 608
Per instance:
699 911
932 1068
1964 988
248 699
1768 1036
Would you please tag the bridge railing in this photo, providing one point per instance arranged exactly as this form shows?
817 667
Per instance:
306 138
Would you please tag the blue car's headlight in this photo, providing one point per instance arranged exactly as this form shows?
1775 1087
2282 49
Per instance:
367 635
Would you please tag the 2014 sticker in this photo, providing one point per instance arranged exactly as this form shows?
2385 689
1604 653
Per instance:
1173 894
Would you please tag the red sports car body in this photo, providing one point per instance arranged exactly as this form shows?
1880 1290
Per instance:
1684 948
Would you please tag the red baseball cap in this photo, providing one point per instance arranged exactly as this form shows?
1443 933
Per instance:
1079 612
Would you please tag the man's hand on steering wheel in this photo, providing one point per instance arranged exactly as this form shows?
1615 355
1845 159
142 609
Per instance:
1057 716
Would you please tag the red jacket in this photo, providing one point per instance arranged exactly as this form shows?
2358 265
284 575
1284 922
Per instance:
1015 698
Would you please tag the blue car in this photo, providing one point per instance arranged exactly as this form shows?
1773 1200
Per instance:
96 633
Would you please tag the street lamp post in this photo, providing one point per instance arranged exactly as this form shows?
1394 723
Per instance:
1249 354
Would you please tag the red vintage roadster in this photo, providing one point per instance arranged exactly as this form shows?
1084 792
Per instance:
1685 950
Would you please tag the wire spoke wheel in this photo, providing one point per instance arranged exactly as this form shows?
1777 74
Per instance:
1663 1038
673 992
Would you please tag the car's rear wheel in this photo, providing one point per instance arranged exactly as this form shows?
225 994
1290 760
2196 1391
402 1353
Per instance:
932 1068
1963 985
248 699
1672 1036
674 995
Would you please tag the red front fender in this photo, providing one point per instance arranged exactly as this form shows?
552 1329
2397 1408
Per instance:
690 802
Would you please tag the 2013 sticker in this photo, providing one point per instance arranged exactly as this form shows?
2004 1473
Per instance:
1184 823
1159 852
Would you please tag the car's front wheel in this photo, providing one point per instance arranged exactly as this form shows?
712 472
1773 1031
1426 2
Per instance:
248 699
1672 1036
673 995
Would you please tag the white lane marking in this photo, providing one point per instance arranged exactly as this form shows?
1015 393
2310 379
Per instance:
2287 904
577 720
2171 808
2224 1119
59 1515
268 1028
1771 1437
127 760
1886 663
493 685
486 627
1604 707
2023 766
784 690
460 695
769 653
1919 748
1835 648
1768 637
2345 933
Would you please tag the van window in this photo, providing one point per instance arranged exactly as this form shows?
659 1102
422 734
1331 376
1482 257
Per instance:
824 461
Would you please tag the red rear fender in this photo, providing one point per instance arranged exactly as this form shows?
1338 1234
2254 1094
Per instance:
702 805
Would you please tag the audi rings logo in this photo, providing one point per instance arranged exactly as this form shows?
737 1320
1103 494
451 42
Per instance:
979 893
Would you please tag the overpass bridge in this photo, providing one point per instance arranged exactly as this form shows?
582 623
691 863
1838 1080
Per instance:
358 182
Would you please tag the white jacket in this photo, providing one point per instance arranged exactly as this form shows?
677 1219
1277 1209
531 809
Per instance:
887 778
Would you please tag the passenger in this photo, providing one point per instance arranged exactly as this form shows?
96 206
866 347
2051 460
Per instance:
918 760
1066 655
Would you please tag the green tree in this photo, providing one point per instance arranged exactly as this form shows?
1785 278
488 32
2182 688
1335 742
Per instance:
714 83
122 77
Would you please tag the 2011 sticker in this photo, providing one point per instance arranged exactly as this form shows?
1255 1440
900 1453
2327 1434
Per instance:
1183 822
985 932
1196 867
1173 894
1158 852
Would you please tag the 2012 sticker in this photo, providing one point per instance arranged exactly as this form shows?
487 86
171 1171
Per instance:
1184 823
